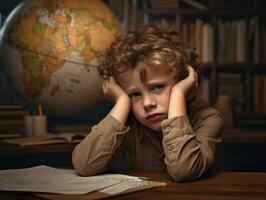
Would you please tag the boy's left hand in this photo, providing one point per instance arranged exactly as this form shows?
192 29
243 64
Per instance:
184 86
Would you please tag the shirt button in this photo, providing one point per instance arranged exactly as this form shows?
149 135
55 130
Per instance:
168 129
170 147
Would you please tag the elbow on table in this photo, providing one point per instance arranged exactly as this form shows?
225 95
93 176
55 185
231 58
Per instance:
81 167
84 170
185 173
84 167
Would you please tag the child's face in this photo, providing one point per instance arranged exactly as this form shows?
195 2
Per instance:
150 93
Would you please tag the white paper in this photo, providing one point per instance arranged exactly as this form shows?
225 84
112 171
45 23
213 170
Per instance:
126 183
63 181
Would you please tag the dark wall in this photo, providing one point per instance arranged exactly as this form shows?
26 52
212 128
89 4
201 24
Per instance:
7 5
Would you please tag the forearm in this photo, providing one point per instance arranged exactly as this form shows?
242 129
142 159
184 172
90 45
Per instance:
180 91
183 157
177 105
189 152
186 161
92 155
121 110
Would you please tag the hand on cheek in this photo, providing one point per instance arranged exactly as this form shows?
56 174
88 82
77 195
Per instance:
113 91
184 86
179 93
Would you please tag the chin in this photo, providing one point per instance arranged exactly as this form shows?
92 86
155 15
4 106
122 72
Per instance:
156 129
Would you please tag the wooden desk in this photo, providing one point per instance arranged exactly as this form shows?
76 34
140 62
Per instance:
222 186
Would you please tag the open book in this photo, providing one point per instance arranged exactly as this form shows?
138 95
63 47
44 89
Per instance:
47 139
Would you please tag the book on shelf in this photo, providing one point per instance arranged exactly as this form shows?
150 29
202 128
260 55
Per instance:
49 138
196 4
231 5
12 112
11 131
204 89
241 41
11 120
251 43
232 84
263 53
127 12
221 51
230 46
166 4
198 37
207 43
10 135
259 94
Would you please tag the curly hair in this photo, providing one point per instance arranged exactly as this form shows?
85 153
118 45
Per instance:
152 46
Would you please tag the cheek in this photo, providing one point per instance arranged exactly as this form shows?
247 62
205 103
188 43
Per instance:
164 99
136 109
165 102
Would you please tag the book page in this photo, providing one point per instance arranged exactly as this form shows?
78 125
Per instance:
124 184
73 137
47 139
64 181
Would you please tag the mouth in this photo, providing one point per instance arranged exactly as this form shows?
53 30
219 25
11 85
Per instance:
154 117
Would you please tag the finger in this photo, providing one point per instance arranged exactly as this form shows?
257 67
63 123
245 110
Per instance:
190 70
106 83
112 79
196 77
192 74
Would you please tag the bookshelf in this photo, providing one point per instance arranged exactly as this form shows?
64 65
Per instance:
231 43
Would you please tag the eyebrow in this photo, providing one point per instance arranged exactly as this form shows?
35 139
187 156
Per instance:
151 83
131 90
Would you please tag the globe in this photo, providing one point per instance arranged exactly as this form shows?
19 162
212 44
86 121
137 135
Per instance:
50 50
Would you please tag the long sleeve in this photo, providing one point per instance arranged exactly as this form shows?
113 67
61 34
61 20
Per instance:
189 152
93 154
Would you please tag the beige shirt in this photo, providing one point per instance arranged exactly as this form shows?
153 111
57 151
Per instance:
185 149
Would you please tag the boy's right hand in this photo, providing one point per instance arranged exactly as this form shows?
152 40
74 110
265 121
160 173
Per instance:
113 91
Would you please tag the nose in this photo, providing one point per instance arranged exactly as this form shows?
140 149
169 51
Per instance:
148 102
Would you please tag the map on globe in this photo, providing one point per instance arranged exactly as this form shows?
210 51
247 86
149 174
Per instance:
52 48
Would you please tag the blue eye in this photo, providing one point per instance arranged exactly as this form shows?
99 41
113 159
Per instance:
134 95
158 88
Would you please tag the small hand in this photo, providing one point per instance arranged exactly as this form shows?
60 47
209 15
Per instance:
186 85
113 91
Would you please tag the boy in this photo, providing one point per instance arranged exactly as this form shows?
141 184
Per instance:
155 123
